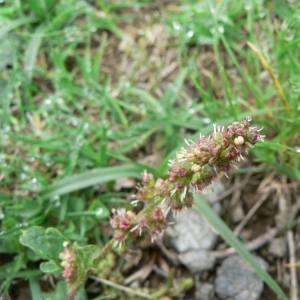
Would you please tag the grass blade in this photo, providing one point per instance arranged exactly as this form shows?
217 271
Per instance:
152 101
35 289
16 23
32 51
90 178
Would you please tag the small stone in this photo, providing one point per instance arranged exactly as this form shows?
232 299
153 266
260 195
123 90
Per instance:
124 183
278 247
198 260
237 281
192 232
237 213
214 191
204 291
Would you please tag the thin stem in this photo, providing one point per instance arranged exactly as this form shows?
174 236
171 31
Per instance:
272 75
107 248
121 287
71 294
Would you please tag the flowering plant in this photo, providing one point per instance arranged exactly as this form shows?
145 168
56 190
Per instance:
192 170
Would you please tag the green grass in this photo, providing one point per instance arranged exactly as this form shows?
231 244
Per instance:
69 129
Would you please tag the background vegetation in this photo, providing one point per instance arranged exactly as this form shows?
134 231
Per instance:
94 92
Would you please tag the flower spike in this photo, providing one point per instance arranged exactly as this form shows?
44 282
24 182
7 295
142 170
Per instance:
193 169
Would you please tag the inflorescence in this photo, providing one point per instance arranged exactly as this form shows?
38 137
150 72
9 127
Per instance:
192 170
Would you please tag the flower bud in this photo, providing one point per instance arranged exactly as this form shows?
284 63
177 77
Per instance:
147 176
157 214
197 152
224 143
130 214
195 168
68 261
239 141
190 157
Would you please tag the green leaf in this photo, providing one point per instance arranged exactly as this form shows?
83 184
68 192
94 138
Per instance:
8 51
90 178
59 293
215 221
15 23
148 98
41 7
172 93
283 9
35 289
47 243
32 51
50 267
84 257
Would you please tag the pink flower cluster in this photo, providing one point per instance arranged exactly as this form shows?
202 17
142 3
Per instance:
194 168
68 261
127 225
199 163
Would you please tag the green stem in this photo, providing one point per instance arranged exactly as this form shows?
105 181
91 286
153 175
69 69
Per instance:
107 248
71 294
103 252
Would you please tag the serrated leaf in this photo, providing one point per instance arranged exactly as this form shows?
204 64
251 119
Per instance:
47 243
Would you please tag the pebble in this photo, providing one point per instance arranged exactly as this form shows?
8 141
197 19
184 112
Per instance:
278 247
193 237
192 232
204 291
198 260
214 191
237 213
237 281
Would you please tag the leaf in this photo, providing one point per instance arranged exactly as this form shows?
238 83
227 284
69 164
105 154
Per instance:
84 262
41 7
15 23
35 289
50 267
47 243
90 178
172 93
283 9
86 255
59 293
148 98
8 51
32 50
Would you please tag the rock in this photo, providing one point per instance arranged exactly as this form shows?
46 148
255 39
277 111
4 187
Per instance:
204 291
278 247
192 232
124 183
198 260
237 281
237 213
214 191
212 194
